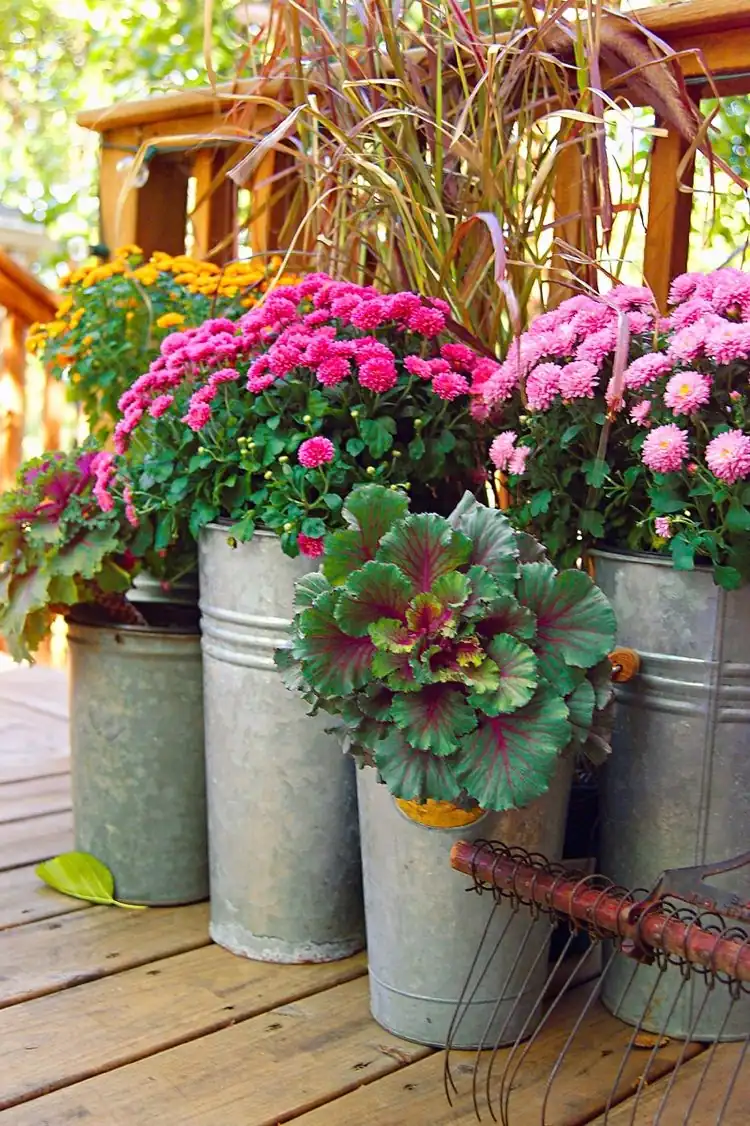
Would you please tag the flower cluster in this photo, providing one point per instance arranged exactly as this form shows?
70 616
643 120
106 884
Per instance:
633 424
114 317
274 417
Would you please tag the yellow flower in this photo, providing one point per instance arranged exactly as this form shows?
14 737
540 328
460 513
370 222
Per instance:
129 316
146 275
87 340
186 278
76 317
228 290
64 307
56 328
170 320
128 250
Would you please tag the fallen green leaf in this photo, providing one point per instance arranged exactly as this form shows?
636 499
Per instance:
82 876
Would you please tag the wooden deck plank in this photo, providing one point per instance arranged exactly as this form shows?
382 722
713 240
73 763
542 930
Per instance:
127 1017
46 956
711 1087
34 797
39 767
38 838
260 1072
25 899
416 1095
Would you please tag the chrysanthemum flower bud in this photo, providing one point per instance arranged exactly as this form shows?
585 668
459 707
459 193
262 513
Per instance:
288 527
268 475
371 470
354 413
283 459
307 418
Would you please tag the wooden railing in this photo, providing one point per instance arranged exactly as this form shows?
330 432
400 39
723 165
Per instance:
23 300
200 133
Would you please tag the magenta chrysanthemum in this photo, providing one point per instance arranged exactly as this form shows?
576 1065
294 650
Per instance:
333 371
378 374
316 451
663 526
309 546
687 391
665 449
197 416
449 385
416 366
160 405
728 456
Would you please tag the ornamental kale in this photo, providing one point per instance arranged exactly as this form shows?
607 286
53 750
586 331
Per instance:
461 662
272 419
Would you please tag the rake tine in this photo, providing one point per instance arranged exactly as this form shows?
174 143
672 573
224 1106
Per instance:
681 1058
710 1056
593 996
636 1033
498 1038
733 1081
503 1097
448 1083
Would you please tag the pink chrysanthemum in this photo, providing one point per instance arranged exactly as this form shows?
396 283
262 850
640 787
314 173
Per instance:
517 460
598 346
449 385
663 526
197 416
688 343
333 371
378 374
503 448
130 513
645 369
579 380
683 287
160 405
311 547
728 456
542 386
316 451
689 312
426 322
687 391
727 342
419 367
640 412
665 449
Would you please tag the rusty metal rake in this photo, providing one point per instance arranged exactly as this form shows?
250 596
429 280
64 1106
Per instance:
693 936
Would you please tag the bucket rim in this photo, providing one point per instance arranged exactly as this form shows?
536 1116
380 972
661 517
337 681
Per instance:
224 524
653 558
134 630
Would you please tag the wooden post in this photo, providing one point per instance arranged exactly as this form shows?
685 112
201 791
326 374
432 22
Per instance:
52 412
669 211
12 397
568 204
214 218
154 216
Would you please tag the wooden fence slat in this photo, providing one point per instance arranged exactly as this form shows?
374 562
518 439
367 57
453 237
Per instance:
669 210
130 1016
215 215
260 1072
46 956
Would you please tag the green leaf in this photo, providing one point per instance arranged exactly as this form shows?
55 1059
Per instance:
84 556
332 501
728 577
592 522
378 435
314 528
334 663
666 500
518 676
575 622
493 541
81 876
417 448
683 553
445 443
414 775
738 517
202 513
581 703
540 502
505 614
434 719
355 446
244 529
595 472
511 759
369 511
424 547
570 433
376 591
308 588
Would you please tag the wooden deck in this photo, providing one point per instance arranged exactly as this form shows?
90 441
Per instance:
118 1018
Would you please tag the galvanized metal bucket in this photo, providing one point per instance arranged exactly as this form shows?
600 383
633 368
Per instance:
283 832
138 772
424 930
181 592
676 792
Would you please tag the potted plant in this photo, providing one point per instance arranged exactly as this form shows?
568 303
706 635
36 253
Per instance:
115 315
135 680
636 452
252 433
465 672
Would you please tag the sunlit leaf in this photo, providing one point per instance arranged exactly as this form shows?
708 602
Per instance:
81 876
392 635
377 590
